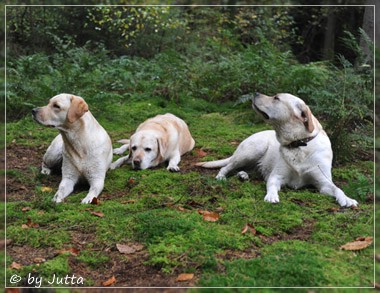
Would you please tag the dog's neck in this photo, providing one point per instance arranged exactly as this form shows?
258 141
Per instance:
75 133
300 142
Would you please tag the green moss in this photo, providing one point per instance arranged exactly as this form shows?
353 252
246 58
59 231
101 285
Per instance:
292 264
94 259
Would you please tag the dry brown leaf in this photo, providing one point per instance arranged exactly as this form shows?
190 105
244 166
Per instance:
250 228
128 201
109 282
359 244
210 216
131 180
72 250
185 277
29 224
95 201
201 153
98 214
46 189
129 249
15 266
26 209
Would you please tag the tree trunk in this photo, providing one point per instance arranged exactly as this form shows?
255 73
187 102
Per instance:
329 41
368 26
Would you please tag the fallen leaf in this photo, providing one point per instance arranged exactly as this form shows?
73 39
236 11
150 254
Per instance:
359 244
98 214
15 266
128 201
109 282
201 153
26 209
333 210
29 224
46 189
131 180
39 260
129 249
73 251
250 228
209 216
185 277
95 201
40 212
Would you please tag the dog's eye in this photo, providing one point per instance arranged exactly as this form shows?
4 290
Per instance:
148 149
276 98
56 106
134 148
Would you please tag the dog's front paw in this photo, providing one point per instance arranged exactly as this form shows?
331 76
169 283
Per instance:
242 175
347 202
87 199
45 170
57 199
272 198
173 168
220 177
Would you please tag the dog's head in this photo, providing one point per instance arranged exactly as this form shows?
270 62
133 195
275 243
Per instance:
63 109
146 149
286 113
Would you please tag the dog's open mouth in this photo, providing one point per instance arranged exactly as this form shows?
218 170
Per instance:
265 115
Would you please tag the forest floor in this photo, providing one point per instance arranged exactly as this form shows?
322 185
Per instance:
149 226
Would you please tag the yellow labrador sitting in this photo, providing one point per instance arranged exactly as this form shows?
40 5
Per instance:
296 153
83 146
158 139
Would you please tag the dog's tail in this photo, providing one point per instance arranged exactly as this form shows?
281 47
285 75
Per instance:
214 164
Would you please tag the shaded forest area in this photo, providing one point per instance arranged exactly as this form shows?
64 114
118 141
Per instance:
311 33
321 53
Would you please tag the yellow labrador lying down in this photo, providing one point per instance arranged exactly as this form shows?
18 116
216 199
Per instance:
158 139
83 146
296 153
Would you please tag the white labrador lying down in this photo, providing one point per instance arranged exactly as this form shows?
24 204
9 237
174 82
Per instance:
158 139
83 146
296 153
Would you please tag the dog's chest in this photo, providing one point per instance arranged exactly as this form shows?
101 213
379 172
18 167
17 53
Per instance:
297 160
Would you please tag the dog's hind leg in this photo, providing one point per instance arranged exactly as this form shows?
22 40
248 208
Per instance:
53 156
119 162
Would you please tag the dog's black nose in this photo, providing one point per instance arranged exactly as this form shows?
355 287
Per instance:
34 111
136 163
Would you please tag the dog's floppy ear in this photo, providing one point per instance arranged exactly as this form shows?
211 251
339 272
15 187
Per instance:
77 108
162 148
307 117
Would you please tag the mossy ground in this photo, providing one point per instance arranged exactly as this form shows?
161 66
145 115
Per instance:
296 244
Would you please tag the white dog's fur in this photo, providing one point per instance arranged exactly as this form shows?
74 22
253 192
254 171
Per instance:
296 153
83 146
158 139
